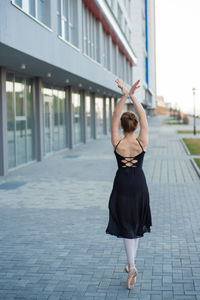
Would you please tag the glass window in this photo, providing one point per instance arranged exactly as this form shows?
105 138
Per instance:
19 96
104 54
32 8
88 16
19 3
67 15
126 29
119 15
73 20
21 141
58 119
108 114
55 120
112 104
62 121
112 3
97 44
10 120
85 41
40 9
91 35
99 115
59 17
30 121
43 11
48 119
88 117
108 52
20 120
76 108
129 36
131 74
114 58
65 20
120 66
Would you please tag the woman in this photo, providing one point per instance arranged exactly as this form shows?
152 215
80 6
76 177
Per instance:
129 204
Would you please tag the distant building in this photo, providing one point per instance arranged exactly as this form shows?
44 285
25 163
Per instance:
162 106
58 63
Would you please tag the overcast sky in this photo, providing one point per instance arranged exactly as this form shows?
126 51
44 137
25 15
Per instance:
178 51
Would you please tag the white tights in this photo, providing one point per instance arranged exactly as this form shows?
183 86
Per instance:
131 246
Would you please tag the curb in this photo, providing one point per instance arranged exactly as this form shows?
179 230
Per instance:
185 147
195 166
191 159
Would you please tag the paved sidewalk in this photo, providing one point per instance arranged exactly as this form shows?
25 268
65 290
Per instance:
53 217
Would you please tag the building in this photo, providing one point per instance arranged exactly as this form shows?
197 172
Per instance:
58 63
143 41
162 106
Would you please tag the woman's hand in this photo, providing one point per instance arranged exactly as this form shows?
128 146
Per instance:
134 88
121 86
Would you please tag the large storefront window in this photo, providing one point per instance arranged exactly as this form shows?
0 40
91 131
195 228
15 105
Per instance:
54 119
108 114
88 117
20 120
99 115
112 104
59 119
76 108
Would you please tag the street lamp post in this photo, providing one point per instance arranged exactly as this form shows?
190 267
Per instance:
194 116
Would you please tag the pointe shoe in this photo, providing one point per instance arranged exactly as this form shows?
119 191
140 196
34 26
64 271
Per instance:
131 280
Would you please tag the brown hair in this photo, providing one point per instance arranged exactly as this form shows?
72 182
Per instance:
129 121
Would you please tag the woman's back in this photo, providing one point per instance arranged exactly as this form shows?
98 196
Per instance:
129 147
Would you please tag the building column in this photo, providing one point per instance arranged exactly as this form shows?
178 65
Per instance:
70 117
115 102
83 117
39 119
93 116
3 125
104 116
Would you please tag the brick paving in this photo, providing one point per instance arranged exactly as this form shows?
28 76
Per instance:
53 217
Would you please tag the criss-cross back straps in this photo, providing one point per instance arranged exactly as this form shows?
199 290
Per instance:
140 144
130 162
136 139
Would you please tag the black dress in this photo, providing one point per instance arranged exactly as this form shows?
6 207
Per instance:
129 204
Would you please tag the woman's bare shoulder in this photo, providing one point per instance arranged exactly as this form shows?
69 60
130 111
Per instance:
143 142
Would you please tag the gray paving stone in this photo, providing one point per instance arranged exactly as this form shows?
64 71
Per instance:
52 229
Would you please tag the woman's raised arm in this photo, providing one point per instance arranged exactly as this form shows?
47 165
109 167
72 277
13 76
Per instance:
115 133
143 134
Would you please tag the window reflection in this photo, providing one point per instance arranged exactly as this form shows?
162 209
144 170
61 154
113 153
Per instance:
88 117
76 108
55 112
20 125
99 115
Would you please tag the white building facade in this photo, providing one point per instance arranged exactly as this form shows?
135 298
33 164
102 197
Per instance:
58 65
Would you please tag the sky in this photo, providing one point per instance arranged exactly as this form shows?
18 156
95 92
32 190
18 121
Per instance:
178 52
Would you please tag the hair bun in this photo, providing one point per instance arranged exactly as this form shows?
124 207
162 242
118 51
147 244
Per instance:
131 117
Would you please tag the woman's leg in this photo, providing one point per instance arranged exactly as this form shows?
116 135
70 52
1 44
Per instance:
131 246
136 246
